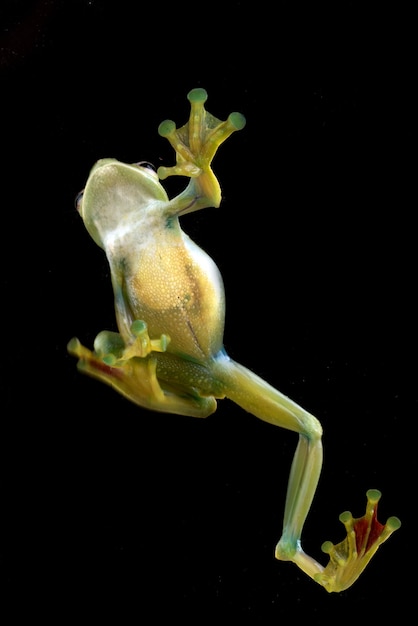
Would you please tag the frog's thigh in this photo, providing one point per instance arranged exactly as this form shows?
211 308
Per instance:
137 380
173 402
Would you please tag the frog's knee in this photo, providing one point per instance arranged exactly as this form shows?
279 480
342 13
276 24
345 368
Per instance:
108 343
313 428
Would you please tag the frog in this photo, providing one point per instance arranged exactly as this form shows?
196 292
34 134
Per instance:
168 352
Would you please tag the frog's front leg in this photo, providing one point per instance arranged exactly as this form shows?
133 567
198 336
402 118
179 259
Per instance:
132 371
195 145
364 535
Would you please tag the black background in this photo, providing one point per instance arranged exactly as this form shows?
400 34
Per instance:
112 512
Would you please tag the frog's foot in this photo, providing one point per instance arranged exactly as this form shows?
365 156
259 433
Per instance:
349 558
196 143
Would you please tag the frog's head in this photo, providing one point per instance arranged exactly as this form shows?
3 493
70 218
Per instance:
114 192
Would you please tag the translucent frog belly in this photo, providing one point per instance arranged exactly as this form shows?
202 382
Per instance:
174 290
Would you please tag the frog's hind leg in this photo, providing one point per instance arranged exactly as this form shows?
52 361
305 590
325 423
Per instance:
256 396
132 371
364 535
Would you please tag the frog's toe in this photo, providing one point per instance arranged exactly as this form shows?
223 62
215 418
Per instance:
75 348
167 128
237 120
197 95
143 343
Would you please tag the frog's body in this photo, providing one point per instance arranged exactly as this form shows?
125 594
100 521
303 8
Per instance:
170 307
186 288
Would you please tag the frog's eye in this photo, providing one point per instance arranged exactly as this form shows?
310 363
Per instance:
146 165
79 200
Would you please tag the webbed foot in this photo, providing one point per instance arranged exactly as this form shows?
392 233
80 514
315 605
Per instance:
349 558
196 143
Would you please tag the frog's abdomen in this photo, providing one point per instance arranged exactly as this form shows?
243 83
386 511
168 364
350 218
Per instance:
177 289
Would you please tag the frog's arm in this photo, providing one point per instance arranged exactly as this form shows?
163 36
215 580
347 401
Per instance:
364 535
195 145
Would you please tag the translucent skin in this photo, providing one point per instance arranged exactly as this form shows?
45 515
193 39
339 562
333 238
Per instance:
170 307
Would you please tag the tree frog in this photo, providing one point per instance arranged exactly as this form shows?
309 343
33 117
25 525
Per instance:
170 307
